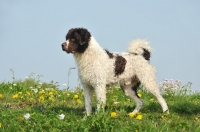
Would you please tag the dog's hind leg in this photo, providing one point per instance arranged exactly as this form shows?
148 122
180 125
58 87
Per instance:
131 91
88 93
148 79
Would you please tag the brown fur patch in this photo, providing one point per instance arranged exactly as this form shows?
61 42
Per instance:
120 63
109 54
146 54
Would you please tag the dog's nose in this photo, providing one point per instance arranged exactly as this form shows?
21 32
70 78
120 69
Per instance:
63 44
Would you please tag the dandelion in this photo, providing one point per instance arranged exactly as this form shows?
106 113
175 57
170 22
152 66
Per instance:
19 92
15 96
20 118
139 95
76 96
152 99
28 93
113 114
132 114
52 99
1 95
50 93
42 92
62 116
27 116
196 118
78 101
41 98
139 117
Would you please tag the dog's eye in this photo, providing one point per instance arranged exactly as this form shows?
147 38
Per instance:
72 39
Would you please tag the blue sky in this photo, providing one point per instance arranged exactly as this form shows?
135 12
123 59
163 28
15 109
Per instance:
31 33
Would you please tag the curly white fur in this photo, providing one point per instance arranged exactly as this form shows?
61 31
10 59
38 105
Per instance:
96 70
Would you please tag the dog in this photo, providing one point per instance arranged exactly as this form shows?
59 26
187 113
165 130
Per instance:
98 68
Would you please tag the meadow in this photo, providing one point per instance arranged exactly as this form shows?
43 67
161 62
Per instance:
33 106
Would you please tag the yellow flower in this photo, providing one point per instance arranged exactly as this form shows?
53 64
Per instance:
113 114
78 101
196 118
42 92
28 93
152 99
15 96
132 114
76 96
50 93
19 92
41 98
1 95
0 125
139 95
139 117
52 99
20 118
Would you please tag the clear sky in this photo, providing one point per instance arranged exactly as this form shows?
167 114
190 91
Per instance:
31 33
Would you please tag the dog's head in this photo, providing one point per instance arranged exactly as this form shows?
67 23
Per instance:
77 40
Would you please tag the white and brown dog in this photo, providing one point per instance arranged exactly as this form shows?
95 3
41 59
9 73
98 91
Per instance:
98 67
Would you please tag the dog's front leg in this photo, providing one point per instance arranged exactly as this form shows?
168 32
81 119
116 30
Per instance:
88 93
101 96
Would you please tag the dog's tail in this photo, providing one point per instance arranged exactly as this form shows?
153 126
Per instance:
140 47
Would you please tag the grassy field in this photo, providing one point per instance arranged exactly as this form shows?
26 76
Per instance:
32 106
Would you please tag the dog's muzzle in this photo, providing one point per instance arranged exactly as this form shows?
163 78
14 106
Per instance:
64 47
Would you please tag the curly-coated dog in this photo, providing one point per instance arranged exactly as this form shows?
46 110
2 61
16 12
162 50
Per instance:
98 68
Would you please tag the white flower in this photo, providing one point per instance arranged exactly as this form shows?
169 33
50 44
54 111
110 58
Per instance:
116 103
35 90
27 116
62 116
14 84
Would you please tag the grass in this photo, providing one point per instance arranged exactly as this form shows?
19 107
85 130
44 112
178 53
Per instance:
46 104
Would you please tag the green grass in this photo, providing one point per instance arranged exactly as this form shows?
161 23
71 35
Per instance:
46 104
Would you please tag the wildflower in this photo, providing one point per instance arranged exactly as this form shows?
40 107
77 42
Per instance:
62 116
139 117
116 103
132 114
139 95
50 93
41 98
35 90
152 99
76 96
42 92
113 114
15 96
78 101
27 116
52 99
19 92
196 118
28 93
20 118
0 125
1 95
14 84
